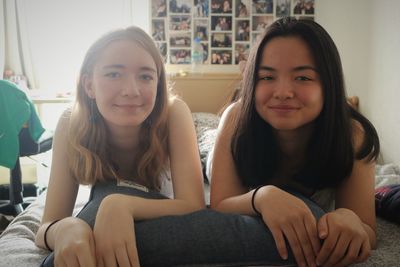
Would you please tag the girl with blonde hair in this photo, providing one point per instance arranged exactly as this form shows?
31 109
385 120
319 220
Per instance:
123 136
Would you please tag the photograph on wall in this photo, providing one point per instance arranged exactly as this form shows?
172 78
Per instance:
180 23
226 28
201 29
158 32
242 8
221 40
221 23
200 9
263 6
242 32
180 39
158 8
282 8
179 56
221 57
303 7
162 47
221 6
260 23
241 52
180 6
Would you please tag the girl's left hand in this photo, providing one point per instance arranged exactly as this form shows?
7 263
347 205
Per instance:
114 235
345 240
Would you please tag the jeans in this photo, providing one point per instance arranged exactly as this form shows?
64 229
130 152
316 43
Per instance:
201 238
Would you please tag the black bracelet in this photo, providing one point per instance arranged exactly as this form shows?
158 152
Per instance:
45 235
253 198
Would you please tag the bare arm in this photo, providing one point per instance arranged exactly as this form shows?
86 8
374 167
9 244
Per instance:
357 192
227 192
349 232
62 189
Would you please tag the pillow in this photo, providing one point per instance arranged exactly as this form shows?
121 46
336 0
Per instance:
206 125
387 202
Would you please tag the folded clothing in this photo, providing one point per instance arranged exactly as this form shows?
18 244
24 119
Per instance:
387 202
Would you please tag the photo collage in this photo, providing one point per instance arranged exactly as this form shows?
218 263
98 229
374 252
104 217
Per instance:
225 28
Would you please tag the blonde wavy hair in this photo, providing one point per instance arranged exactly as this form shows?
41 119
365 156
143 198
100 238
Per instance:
88 153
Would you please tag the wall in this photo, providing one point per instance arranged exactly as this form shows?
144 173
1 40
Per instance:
366 33
382 97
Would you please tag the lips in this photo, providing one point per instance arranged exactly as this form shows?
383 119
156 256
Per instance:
283 107
128 105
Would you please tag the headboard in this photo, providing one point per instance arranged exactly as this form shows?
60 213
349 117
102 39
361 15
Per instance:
207 92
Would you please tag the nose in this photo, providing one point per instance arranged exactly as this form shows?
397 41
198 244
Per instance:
283 90
131 88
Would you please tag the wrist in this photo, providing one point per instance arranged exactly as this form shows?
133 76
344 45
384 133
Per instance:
259 197
115 202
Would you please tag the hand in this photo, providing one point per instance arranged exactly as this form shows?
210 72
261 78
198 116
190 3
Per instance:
345 239
114 234
75 244
288 216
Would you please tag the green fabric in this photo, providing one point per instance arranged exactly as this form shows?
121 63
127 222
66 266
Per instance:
16 109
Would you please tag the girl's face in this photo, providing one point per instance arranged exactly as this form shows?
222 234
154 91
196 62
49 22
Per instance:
124 84
288 92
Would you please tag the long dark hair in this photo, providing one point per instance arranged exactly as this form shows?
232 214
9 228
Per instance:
330 154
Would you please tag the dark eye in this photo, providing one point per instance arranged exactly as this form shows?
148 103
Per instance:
302 78
266 78
146 77
113 74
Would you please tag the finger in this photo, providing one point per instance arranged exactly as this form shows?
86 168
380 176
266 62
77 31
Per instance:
100 262
280 243
323 227
352 253
327 248
85 257
311 228
133 254
110 260
122 258
305 244
339 251
294 243
365 251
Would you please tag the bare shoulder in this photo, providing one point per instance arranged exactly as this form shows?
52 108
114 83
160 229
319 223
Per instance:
229 115
177 105
358 134
63 123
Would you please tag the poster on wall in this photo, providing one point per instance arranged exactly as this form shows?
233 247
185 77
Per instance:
226 28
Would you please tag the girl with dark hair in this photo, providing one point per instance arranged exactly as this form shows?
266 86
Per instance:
292 145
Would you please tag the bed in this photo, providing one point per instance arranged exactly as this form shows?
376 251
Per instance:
17 246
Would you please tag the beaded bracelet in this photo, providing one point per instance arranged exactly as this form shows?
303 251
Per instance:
45 234
253 198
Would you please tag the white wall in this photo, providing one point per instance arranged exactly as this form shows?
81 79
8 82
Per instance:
366 33
382 98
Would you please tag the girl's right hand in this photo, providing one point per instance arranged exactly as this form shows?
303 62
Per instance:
289 217
74 244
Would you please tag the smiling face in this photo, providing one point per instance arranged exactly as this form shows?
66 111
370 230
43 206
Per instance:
288 91
123 84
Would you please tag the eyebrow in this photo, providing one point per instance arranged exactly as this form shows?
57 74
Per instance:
298 68
121 66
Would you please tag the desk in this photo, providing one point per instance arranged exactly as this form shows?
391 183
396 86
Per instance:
49 106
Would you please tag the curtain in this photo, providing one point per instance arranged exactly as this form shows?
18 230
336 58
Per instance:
17 44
